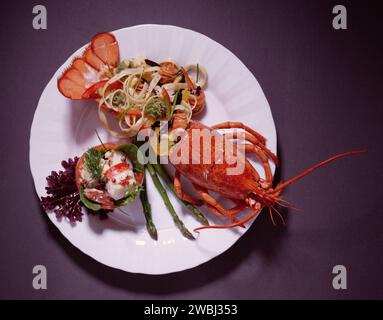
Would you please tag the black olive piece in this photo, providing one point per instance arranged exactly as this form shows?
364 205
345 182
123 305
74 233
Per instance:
179 97
155 124
151 63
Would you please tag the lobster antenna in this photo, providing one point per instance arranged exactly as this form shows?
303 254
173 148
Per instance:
306 172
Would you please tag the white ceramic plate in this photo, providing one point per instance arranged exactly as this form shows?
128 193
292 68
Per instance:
62 129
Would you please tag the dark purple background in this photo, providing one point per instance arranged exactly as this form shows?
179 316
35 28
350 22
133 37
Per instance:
324 88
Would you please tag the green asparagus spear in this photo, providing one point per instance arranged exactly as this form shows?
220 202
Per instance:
178 222
194 210
148 212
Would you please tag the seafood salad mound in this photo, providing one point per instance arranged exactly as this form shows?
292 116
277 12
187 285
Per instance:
107 177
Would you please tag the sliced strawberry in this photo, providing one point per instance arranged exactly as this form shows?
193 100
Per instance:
105 47
92 59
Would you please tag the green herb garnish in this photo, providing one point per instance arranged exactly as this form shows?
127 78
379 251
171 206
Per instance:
92 162
170 116
155 108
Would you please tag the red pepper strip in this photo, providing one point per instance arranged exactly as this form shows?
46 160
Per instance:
189 82
115 85
166 96
136 113
133 112
92 91
116 113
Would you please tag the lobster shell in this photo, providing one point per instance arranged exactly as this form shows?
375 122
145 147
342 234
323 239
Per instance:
213 176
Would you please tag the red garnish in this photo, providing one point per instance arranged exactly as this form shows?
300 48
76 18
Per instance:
190 83
116 169
63 196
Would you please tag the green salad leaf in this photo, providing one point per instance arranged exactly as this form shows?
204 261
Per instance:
134 154
130 196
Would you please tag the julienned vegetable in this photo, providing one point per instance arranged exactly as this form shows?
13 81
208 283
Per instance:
109 176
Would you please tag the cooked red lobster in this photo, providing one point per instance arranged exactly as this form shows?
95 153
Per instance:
246 189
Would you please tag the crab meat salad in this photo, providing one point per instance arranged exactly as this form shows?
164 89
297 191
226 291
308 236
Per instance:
107 177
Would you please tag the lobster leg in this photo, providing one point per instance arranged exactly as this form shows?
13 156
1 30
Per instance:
180 193
214 206
240 125
252 215
248 137
265 162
